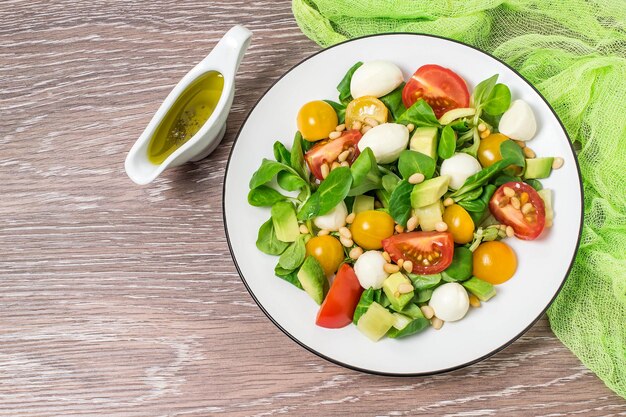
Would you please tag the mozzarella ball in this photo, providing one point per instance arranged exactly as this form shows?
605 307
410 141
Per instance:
334 219
518 122
369 269
449 302
459 167
386 141
375 78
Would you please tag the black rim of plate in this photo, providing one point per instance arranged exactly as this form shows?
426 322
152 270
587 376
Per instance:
415 374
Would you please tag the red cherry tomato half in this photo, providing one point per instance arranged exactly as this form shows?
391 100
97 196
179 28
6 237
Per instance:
440 87
430 252
528 218
327 151
340 302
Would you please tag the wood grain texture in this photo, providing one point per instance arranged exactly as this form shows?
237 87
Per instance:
121 300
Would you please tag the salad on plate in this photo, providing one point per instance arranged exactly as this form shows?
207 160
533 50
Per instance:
392 208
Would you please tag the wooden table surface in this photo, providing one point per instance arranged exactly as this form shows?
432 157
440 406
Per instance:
122 300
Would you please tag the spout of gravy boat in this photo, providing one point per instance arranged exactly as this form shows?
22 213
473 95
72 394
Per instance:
224 59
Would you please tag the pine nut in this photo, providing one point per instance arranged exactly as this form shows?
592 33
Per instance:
516 203
524 197
334 135
357 125
474 301
484 134
527 208
441 227
411 224
557 162
405 288
529 153
416 178
504 201
335 165
399 228
341 127
343 155
448 202
508 191
325 170
400 262
371 122
509 231
323 232
345 164
520 143
303 229
437 323
391 268
410 127
345 232
408 266
356 252
365 128
428 312
386 256
346 242
350 218
482 127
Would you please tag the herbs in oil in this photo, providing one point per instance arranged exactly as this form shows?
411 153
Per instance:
185 118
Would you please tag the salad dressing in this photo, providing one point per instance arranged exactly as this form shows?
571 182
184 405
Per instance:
186 116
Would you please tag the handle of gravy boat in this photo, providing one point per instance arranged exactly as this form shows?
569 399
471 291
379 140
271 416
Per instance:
229 51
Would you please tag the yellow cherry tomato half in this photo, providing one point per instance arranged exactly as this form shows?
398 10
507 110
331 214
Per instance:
370 227
494 262
366 107
328 251
489 149
460 224
316 120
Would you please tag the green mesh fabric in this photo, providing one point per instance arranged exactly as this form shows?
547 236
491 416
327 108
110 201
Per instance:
574 52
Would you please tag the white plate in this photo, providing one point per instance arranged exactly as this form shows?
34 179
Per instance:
543 263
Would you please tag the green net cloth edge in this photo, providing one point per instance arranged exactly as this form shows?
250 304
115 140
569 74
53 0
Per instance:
574 52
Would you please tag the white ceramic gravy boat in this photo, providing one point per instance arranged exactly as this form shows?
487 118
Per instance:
225 59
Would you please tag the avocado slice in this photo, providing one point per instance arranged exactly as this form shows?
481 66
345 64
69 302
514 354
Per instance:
363 203
429 191
390 288
424 140
429 215
375 322
546 196
313 279
537 168
285 221
481 289
451 115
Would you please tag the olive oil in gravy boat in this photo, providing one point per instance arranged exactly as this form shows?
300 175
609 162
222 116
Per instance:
223 59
